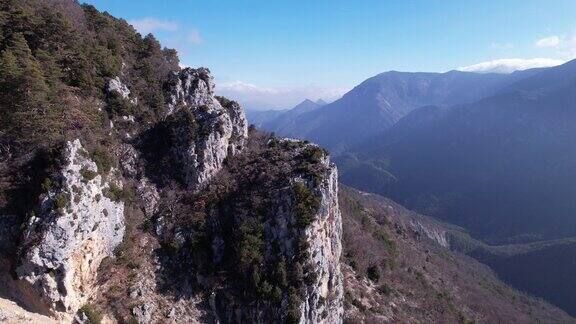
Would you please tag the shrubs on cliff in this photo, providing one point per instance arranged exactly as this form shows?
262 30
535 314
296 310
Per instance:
306 204
92 314
230 228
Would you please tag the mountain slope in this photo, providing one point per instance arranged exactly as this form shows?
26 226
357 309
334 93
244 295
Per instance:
399 270
288 119
260 117
472 165
503 168
379 102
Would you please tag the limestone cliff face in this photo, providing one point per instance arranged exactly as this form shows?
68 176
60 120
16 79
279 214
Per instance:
324 296
81 221
321 297
78 227
207 130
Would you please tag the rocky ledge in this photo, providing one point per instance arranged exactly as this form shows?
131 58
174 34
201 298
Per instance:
206 129
79 225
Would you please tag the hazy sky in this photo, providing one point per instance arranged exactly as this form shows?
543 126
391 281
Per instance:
274 53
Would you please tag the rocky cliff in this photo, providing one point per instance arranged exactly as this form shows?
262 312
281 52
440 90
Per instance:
304 228
277 220
212 132
80 223
324 300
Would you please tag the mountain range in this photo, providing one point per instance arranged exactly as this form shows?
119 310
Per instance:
379 102
280 119
491 153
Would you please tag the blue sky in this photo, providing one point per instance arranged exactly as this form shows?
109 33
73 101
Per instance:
273 53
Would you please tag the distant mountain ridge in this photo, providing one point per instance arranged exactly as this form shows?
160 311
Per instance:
286 121
259 117
515 135
277 120
503 168
379 102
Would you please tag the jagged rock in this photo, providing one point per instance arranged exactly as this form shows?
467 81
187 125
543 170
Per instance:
191 87
325 296
128 157
149 196
116 86
143 313
12 313
171 313
434 233
206 130
78 227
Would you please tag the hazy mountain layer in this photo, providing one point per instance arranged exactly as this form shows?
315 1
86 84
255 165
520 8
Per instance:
379 102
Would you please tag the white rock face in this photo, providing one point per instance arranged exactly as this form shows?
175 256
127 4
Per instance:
221 131
192 87
324 301
435 233
115 85
63 248
148 193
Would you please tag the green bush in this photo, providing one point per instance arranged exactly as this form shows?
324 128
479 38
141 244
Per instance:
61 201
381 235
46 184
117 194
385 289
306 204
294 300
88 174
373 273
94 316
119 106
103 160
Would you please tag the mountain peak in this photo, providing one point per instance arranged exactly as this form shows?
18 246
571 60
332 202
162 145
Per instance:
306 105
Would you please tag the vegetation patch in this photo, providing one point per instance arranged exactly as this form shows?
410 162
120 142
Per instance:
373 273
103 160
61 201
92 314
306 204
116 194
88 174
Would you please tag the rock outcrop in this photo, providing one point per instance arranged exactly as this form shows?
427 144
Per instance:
115 85
78 226
323 302
315 247
206 130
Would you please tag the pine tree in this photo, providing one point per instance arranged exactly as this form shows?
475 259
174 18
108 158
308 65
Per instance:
24 100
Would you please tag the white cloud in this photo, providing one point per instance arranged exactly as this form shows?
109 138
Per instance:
551 41
194 37
260 98
564 46
151 24
567 47
510 65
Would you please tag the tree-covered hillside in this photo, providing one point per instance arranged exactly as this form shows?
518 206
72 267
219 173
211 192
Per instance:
56 58
54 64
